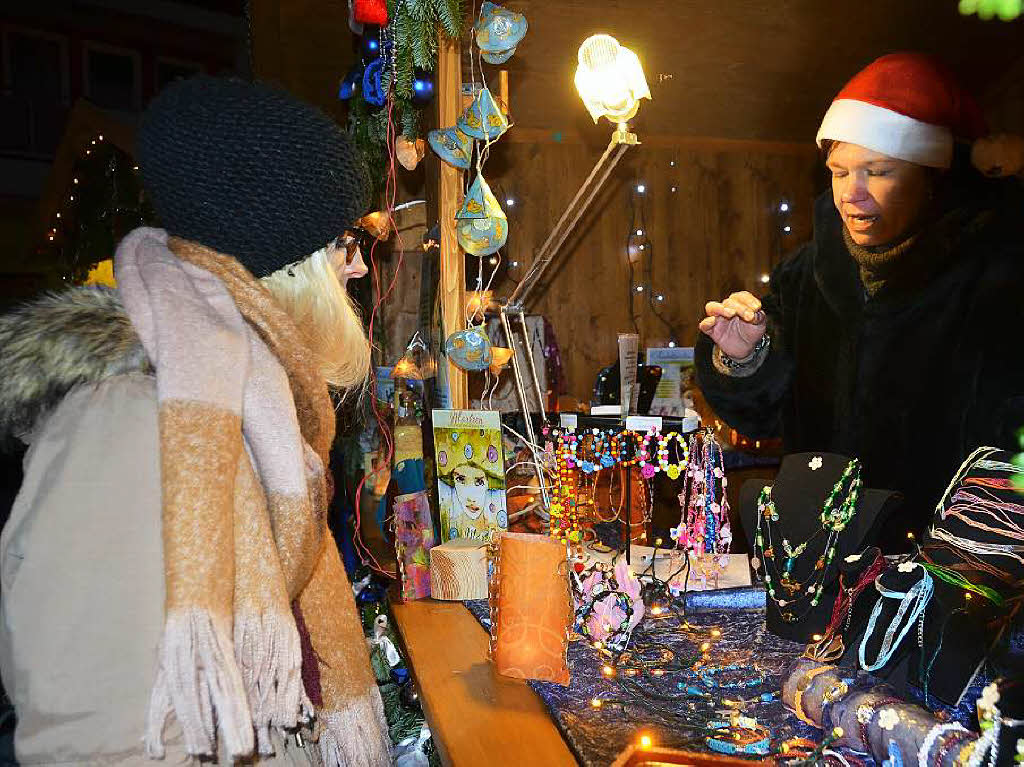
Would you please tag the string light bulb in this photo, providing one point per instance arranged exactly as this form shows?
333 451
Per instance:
596 703
640 288
673 189
787 229
784 207
716 633
765 278
639 232
645 741
510 202
640 188
608 671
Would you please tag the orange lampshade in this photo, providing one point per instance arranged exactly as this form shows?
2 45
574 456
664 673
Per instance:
531 608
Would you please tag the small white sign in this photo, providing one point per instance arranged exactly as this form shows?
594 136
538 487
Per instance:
643 423
569 420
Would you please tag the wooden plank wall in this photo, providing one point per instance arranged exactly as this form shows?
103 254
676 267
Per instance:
717 233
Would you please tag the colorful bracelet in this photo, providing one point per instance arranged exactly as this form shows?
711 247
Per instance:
672 470
803 684
933 736
753 739
623 436
708 675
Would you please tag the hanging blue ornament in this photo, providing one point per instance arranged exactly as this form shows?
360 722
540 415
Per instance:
373 86
351 83
370 44
422 87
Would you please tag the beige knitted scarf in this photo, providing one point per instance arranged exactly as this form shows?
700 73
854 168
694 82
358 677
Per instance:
245 427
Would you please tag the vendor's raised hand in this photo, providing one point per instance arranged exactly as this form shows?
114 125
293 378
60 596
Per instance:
735 324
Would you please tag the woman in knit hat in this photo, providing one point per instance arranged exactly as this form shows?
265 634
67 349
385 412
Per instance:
170 587
889 336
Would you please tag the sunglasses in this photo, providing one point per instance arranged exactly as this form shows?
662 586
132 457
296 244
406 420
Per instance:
351 241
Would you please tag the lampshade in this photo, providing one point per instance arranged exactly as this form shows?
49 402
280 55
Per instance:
609 79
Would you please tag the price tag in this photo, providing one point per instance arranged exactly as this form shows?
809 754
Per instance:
643 423
569 420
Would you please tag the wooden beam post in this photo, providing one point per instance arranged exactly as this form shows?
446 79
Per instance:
447 191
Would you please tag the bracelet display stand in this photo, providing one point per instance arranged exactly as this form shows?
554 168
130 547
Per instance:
617 424
799 492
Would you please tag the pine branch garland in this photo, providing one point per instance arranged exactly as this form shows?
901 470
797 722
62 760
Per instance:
413 32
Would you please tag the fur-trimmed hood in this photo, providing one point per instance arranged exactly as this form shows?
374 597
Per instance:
54 343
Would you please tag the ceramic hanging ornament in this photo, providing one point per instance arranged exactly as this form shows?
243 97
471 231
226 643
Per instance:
500 357
371 12
498 31
453 146
481 224
483 119
408 152
469 349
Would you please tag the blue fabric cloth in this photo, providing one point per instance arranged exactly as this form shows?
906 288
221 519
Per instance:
657 704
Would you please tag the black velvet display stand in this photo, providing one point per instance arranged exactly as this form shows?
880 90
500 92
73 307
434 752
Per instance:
799 493
955 639
959 630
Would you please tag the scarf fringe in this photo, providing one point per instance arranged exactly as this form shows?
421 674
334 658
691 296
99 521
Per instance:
198 680
356 736
269 655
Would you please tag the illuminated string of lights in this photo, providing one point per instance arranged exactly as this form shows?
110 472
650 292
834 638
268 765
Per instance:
640 252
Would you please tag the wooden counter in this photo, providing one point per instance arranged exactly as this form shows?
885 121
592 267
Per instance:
476 716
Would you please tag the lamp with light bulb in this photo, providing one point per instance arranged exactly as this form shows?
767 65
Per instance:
611 82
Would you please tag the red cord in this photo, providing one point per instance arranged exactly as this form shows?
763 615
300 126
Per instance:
390 194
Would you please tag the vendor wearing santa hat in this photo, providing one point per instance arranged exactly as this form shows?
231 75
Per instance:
893 334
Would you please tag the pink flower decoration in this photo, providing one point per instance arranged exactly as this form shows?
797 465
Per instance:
606 612
648 471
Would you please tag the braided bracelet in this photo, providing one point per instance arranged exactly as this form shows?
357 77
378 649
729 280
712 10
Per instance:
933 735
802 686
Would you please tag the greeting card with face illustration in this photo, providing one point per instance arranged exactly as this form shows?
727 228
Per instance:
470 473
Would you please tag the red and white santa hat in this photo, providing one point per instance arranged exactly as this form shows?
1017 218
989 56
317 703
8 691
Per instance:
904 105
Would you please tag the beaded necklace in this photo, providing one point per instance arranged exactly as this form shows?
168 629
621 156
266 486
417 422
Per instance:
704 523
830 647
834 519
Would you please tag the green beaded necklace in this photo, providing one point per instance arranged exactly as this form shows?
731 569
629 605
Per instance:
834 519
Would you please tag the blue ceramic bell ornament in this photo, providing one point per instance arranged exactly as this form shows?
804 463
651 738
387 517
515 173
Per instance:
469 349
498 31
498 58
483 119
373 86
481 224
452 145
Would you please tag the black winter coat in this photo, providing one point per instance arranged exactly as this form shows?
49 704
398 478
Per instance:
911 379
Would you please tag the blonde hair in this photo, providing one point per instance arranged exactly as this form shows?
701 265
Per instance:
315 299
